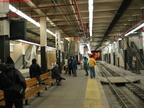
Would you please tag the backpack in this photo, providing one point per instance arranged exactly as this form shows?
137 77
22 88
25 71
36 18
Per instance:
5 82
8 85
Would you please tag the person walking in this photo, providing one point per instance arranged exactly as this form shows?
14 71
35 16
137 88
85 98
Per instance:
86 66
74 66
14 79
35 71
92 63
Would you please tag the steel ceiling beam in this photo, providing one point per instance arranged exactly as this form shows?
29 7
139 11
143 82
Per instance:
119 13
24 9
64 21
54 15
80 19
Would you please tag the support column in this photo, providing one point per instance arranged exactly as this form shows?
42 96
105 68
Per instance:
23 56
141 47
4 31
113 52
125 53
43 43
58 49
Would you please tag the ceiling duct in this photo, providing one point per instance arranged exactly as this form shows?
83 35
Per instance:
119 13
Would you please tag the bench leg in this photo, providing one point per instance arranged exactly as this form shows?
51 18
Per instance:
26 102
38 93
46 88
51 84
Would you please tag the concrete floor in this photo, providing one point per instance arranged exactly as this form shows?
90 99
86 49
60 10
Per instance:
76 92
70 94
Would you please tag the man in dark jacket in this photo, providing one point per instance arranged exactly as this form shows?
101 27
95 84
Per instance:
35 71
56 74
70 65
15 77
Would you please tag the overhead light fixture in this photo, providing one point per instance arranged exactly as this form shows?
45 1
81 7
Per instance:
120 39
20 13
62 42
24 41
32 43
11 44
137 28
50 48
90 16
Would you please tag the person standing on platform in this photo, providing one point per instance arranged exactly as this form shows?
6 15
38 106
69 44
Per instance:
86 66
70 65
66 66
11 78
35 71
74 66
92 63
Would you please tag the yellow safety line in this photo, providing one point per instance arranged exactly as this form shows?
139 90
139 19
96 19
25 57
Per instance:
92 98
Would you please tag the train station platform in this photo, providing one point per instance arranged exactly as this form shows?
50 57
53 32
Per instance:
74 92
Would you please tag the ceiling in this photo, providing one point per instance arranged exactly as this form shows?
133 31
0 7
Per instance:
111 18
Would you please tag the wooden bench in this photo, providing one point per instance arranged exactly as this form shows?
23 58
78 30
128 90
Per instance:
46 78
1 95
1 98
33 87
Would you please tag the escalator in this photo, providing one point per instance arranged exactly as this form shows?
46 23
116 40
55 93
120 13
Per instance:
25 59
129 57
133 56
139 55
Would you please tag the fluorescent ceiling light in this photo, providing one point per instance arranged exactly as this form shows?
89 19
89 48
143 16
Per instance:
62 42
24 41
20 13
120 39
11 44
51 32
90 16
50 48
137 28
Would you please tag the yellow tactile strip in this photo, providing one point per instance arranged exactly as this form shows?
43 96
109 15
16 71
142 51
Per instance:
94 95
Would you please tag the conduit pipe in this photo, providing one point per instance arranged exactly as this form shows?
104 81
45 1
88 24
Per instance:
54 15
134 26
45 7
62 13
120 12
81 22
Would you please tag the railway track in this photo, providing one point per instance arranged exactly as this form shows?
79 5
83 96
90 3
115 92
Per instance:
119 95
139 92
